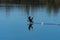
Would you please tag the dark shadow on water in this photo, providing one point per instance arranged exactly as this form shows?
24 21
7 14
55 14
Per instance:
27 7
30 26
55 8
8 8
50 4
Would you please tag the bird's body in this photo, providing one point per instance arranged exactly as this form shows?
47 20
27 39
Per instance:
30 19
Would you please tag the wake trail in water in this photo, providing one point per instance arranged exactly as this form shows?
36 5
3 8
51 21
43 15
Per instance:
46 23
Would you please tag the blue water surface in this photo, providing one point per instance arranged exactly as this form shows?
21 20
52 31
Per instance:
14 25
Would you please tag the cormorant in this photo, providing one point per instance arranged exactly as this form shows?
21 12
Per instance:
30 19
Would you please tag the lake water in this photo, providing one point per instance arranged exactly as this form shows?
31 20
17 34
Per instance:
14 24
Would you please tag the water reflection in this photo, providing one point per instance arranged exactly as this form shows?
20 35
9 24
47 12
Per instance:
8 8
30 26
28 8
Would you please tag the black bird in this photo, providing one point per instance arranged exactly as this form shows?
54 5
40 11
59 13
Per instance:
30 26
30 19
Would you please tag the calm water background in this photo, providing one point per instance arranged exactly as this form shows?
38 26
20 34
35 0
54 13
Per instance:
14 24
